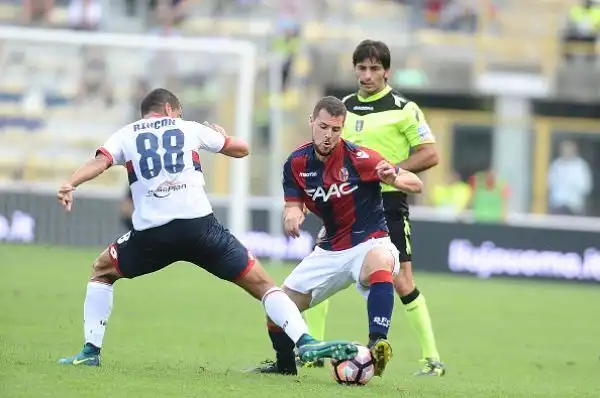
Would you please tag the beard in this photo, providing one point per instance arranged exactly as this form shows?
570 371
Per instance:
324 152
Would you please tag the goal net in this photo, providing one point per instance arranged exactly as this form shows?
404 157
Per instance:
63 93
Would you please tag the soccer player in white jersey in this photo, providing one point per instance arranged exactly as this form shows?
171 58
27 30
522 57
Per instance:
173 221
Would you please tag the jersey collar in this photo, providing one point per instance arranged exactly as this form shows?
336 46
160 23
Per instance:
375 97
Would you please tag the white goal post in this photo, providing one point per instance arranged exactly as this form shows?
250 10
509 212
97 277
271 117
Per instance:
246 69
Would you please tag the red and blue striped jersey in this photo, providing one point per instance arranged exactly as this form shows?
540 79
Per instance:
344 192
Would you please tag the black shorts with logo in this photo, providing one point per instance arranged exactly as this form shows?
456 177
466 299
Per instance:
203 241
396 215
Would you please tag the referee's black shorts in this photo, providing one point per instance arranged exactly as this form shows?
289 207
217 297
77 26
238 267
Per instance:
396 215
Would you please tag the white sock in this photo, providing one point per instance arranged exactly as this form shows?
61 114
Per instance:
96 311
284 313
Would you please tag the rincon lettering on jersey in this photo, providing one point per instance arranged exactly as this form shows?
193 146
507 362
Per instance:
153 124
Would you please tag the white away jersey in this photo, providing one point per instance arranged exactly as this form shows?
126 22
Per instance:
163 165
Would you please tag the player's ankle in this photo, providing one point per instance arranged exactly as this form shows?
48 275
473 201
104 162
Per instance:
410 297
286 362
304 339
91 349
373 337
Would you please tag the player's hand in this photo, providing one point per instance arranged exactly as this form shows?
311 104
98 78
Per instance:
293 219
217 128
386 172
65 196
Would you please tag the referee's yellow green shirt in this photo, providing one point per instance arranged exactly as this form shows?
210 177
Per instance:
387 123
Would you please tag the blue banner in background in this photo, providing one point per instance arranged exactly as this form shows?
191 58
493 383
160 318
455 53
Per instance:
485 250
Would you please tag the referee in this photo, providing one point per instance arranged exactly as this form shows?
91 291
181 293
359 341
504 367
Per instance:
381 119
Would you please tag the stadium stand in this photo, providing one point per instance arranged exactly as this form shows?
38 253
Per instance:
43 90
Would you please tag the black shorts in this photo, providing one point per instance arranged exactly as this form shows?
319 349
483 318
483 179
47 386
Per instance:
398 223
200 241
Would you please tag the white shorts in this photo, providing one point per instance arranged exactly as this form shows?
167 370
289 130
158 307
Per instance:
324 273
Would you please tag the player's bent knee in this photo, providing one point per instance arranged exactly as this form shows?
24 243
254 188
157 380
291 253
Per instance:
103 269
302 300
256 281
378 259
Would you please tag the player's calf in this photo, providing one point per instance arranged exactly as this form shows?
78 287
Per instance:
96 310
404 283
377 272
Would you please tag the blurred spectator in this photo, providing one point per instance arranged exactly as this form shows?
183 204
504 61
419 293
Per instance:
37 11
85 14
164 62
172 12
177 8
95 82
569 181
287 45
459 16
583 26
489 199
433 10
140 90
453 196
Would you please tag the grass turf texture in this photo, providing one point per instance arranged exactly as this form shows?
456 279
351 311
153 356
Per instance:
182 333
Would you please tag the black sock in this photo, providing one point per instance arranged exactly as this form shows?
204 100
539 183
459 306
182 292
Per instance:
284 348
410 297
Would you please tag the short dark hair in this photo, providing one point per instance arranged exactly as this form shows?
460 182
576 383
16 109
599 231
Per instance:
156 100
374 50
332 105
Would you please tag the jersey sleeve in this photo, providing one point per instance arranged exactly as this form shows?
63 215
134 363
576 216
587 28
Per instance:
365 160
415 127
291 190
208 139
113 149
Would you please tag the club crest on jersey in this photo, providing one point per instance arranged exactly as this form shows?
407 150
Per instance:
359 125
344 175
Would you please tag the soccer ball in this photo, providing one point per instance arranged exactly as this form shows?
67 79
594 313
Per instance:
356 371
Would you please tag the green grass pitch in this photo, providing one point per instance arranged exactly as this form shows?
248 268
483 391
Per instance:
182 333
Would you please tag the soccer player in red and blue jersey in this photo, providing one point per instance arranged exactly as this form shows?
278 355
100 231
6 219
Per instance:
340 183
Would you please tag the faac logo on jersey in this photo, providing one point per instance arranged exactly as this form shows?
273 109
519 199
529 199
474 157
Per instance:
337 190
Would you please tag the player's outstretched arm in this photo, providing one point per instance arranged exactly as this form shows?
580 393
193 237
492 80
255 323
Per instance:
90 170
401 179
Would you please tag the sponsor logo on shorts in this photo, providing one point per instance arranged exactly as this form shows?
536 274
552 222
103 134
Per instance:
165 189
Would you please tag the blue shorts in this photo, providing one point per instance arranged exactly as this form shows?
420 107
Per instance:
203 241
